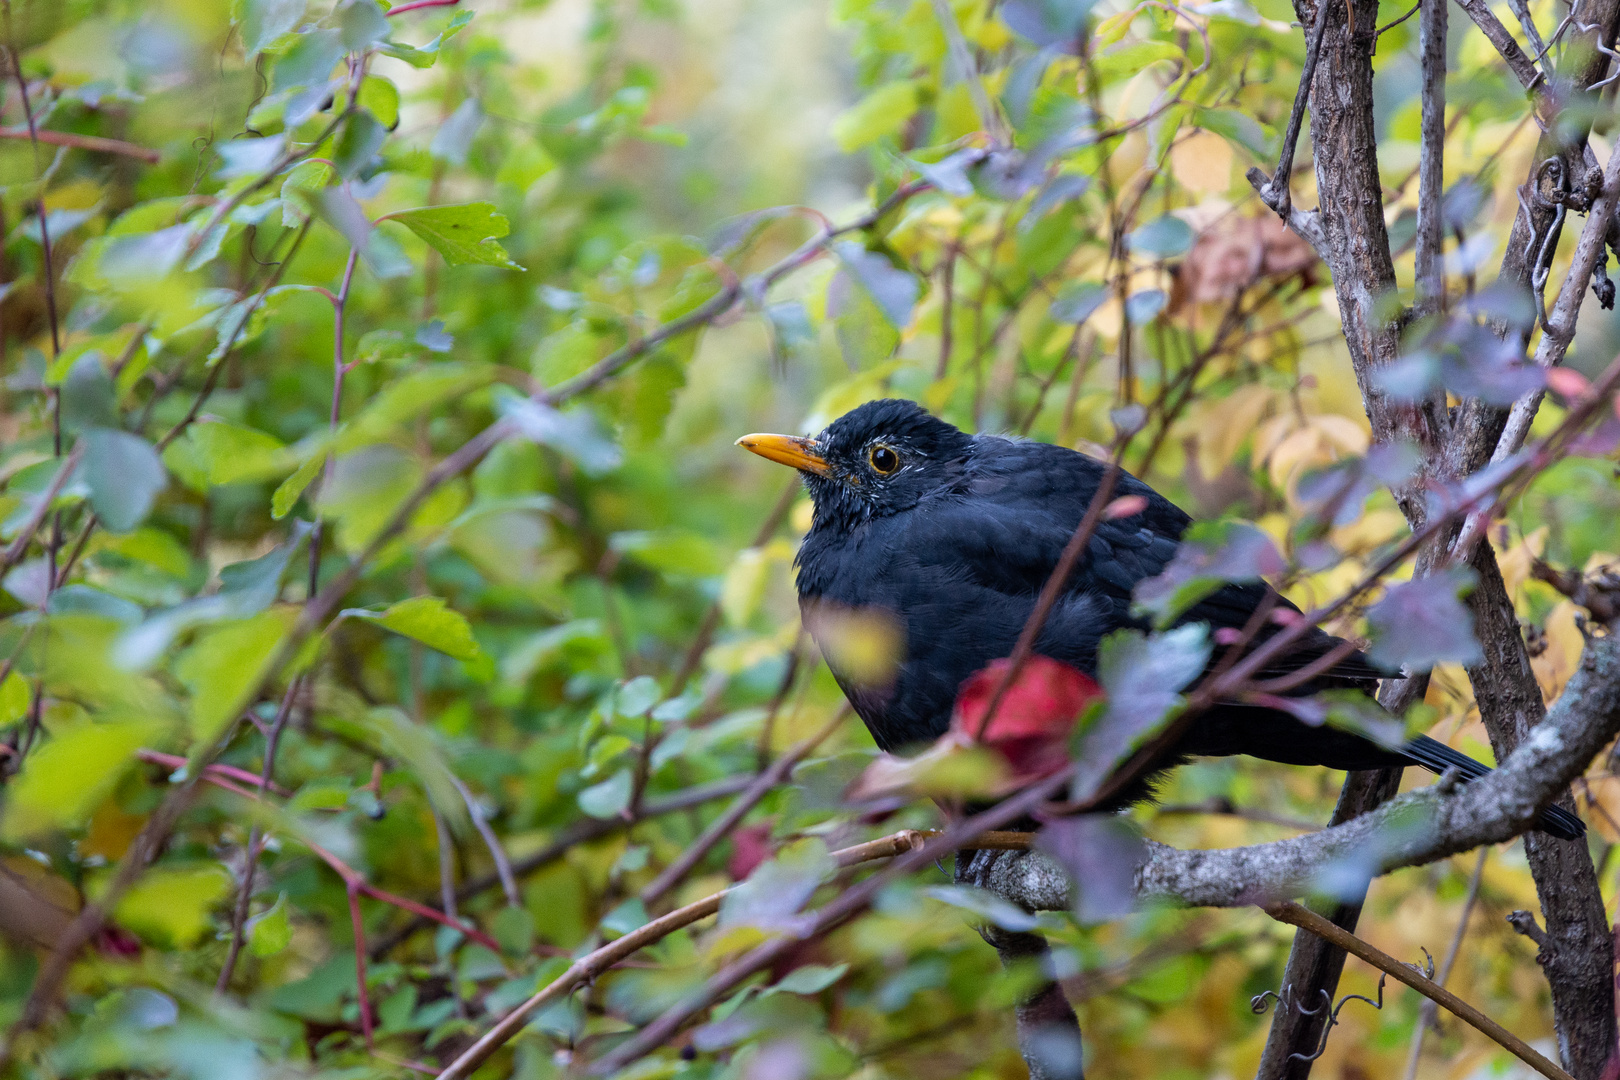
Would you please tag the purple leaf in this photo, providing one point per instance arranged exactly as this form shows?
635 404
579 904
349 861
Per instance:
1421 623
894 291
1101 854
1144 676
778 889
1212 555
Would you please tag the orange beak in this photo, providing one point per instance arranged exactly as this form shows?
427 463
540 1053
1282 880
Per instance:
787 450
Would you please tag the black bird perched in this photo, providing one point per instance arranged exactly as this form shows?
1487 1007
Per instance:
953 535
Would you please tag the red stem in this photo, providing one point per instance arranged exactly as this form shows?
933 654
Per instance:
353 879
416 5
175 761
360 959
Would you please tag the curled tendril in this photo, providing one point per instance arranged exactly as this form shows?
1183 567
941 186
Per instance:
1260 1001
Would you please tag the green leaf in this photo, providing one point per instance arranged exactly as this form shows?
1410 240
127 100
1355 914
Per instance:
882 112
428 620
608 799
524 164
310 59
779 888
363 135
305 179
425 56
409 396
14 698
270 932
286 495
362 23
231 453
225 666
1241 128
124 474
67 777
265 20
1144 675
464 234
574 433
513 928
421 756
672 551
321 795
380 98
454 137
810 979
171 907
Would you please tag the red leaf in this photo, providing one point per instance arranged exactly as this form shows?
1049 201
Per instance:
115 941
750 846
1124 506
1568 382
1031 726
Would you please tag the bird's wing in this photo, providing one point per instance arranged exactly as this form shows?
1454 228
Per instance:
1010 527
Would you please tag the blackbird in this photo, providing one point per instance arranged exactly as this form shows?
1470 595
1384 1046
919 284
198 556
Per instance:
953 535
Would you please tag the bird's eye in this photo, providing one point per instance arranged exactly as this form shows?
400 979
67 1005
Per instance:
883 459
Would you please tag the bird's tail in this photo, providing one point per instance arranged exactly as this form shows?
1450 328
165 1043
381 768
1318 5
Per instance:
1438 757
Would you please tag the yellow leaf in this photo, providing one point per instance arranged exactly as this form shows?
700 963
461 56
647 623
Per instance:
171 907
65 778
14 698
1599 800
1202 163
226 665
111 832
1562 655
863 645
743 586
1516 561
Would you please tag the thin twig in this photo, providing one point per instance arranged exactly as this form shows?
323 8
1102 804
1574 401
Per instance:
581 832
722 825
36 517
1295 915
1428 1011
1276 193
83 142
503 865
1560 331
250 859
595 963
447 865
1393 23
990 118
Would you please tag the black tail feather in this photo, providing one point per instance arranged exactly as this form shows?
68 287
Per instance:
1438 757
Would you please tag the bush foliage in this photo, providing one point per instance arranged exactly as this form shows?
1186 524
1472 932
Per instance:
370 382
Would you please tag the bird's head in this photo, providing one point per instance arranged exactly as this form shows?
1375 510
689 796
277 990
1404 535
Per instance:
878 459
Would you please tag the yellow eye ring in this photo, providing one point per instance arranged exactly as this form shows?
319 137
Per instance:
883 459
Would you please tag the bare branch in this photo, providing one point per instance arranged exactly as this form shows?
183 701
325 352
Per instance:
1431 283
1428 1012
1418 827
581 832
1590 250
1523 68
83 142
1295 915
1275 193
599 961
722 825
36 517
